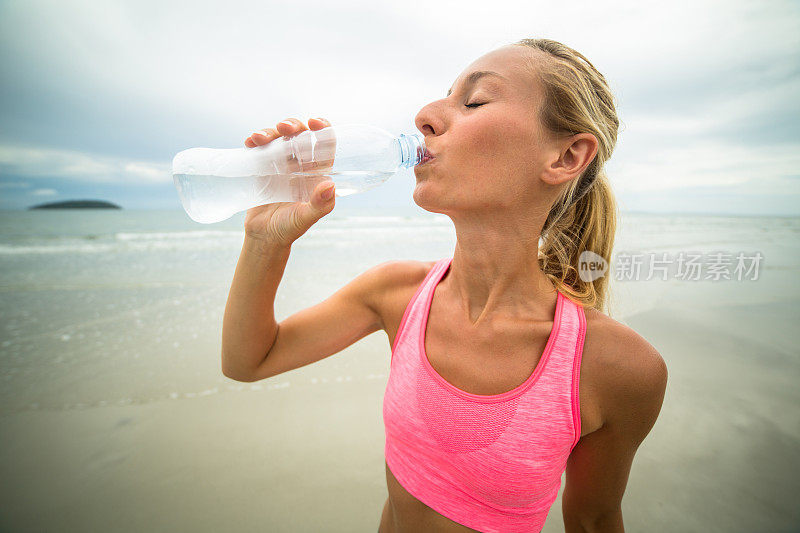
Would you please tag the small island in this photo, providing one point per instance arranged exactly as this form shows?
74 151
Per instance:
77 204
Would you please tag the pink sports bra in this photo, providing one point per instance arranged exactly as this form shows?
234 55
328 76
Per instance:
492 463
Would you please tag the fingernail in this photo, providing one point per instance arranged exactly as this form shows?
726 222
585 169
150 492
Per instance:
287 122
327 194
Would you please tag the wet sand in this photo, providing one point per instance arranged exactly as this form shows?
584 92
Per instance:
304 450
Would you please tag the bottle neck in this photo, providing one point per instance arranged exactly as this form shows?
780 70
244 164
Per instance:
412 149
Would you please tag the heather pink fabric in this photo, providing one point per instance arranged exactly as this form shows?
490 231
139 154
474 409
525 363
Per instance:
492 463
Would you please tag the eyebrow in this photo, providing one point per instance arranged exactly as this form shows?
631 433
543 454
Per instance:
475 76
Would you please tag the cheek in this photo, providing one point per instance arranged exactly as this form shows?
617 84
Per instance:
488 139
480 154
500 150
499 163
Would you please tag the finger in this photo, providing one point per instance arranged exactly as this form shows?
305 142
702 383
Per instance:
318 123
260 138
317 206
325 148
318 196
290 127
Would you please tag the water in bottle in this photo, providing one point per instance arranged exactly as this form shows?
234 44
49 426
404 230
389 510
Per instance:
213 184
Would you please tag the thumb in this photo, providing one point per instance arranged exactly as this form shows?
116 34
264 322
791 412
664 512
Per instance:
319 206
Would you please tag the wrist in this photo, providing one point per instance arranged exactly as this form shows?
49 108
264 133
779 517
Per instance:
266 247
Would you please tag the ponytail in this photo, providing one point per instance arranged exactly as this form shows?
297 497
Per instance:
577 99
573 227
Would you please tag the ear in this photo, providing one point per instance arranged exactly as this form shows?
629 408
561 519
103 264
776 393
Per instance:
570 158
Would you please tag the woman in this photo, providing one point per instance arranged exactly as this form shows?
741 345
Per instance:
505 371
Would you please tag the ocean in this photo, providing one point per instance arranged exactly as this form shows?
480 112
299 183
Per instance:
88 293
109 306
90 289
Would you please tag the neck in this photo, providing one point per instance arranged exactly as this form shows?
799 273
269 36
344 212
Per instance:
495 271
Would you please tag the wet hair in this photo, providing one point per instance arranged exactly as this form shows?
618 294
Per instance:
577 99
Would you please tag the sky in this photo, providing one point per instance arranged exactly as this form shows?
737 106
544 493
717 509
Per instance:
97 97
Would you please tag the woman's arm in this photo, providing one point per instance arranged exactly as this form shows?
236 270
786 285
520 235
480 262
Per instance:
248 326
634 379
255 346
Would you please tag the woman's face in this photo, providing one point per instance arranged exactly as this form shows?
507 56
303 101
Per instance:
487 156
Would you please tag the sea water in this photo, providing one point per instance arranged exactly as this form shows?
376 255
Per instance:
100 307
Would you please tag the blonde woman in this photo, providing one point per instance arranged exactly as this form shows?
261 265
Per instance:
505 371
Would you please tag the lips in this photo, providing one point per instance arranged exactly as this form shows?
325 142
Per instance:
427 157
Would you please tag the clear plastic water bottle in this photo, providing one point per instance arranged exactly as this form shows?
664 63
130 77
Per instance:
214 184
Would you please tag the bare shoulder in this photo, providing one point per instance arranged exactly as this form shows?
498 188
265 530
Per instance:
628 373
627 377
391 284
400 273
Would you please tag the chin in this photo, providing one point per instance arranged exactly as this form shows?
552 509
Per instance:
425 200
419 196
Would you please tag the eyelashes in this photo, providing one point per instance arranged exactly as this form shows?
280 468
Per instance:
472 105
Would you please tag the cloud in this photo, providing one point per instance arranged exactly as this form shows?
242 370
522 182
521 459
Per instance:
79 166
708 163
14 185
44 192
150 172
706 90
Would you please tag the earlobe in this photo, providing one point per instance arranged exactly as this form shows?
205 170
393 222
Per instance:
553 176
576 153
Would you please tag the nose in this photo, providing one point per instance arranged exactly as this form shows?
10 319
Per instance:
428 120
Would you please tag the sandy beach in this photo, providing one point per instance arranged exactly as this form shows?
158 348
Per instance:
118 428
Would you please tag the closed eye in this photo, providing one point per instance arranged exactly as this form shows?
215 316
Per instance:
472 105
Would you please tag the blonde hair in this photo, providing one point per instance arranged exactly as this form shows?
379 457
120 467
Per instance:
577 99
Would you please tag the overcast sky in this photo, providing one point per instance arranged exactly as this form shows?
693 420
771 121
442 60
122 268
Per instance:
97 97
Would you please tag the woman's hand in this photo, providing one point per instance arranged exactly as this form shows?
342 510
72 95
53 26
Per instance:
284 222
